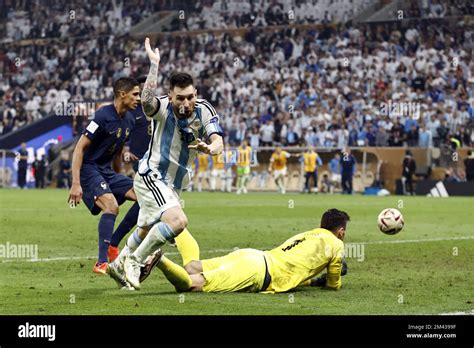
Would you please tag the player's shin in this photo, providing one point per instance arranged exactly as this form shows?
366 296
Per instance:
200 185
187 247
156 237
245 181
229 184
175 274
106 227
213 183
132 244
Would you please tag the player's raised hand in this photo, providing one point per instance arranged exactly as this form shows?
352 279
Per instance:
75 195
154 55
201 146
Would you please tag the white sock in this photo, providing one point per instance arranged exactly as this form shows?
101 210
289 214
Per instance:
133 242
156 237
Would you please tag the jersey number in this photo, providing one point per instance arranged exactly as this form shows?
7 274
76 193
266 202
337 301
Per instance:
292 245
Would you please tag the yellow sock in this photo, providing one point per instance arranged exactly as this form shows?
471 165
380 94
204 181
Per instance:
175 274
187 247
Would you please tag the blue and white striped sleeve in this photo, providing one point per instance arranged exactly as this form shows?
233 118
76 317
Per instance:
210 119
161 111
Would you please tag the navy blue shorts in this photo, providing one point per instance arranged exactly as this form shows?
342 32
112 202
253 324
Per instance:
96 181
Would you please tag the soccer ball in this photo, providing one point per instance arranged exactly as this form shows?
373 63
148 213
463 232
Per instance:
390 221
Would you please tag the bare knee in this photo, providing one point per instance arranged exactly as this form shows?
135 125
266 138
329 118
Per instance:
130 195
194 267
112 208
177 222
180 223
142 232
108 204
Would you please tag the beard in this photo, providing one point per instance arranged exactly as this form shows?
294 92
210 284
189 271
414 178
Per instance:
185 114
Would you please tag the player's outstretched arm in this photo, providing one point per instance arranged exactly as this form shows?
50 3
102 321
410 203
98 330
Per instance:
75 194
149 102
217 144
214 148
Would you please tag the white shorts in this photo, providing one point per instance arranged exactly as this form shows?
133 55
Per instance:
218 173
154 198
336 177
279 172
203 175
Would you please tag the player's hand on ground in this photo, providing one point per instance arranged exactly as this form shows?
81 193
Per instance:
202 146
154 55
75 195
129 157
320 281
344 267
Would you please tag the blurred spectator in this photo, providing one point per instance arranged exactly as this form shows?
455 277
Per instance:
412 136
381 138
425 138
64 175
22 165
267 132
348 167
335 169
397 134
296 78
409 168
39 167
469 166
451 176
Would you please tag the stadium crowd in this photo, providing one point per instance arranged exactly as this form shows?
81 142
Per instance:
374 85
435 8
234 14
39 19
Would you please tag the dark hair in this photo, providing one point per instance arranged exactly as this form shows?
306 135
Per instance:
180 79
125 84
141 79
333 219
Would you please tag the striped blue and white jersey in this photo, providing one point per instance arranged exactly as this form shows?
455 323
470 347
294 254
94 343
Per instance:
168 154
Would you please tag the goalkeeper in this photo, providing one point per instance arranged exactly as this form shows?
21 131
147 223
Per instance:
294 263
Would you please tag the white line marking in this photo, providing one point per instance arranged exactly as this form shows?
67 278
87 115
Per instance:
471 312
415 240
72 258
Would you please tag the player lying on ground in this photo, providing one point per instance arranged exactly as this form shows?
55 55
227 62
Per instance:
292 264
94 180
179 121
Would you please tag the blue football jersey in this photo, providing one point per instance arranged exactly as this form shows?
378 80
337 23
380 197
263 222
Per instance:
108 132
141 133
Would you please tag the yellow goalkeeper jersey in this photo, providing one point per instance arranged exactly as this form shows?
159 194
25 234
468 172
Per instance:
302 257
245 156
218 161
310 159
203 159
279 160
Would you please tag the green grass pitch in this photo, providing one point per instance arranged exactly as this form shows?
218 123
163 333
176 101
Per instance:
425 269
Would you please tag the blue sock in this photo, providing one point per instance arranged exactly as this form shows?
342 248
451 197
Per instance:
106 228
126 225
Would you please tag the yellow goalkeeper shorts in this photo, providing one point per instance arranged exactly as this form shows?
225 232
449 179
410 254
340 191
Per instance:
242 270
